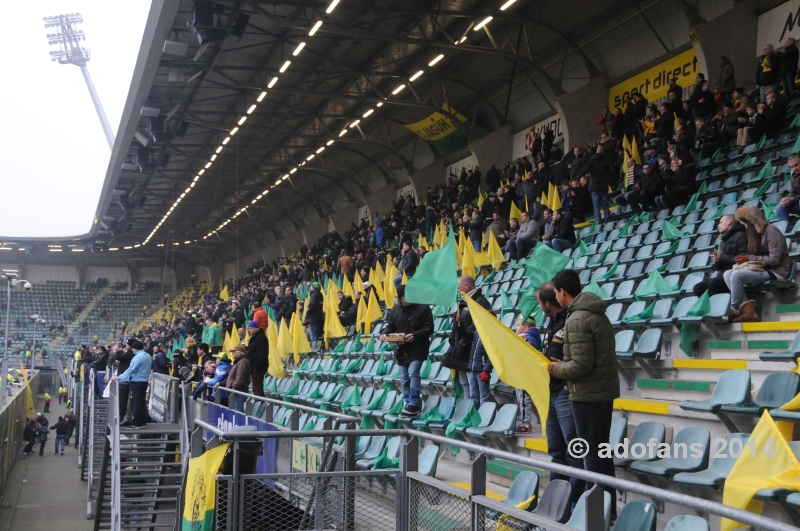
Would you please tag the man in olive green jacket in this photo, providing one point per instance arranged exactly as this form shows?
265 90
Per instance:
590 368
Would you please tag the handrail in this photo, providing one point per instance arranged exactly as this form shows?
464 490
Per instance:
116 462
89 432
754 520
308 409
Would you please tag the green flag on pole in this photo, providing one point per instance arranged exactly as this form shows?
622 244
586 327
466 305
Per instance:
436 279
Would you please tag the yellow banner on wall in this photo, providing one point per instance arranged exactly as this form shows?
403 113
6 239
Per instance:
652 83
436 126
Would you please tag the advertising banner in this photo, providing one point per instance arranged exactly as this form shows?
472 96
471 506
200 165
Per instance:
652 83
522 142
776 25
442 133
225 419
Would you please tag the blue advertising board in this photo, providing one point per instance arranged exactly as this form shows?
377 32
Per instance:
225 419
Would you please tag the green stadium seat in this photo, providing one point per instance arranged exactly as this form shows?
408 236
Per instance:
716 474
429 404
687 523
428 460
720 306
777 389
683 456
554 503
634 308
608 290
487 412
440 376
789 355
392 452
624 291
619 430
525 485
769 285
643 434
502 426
375 447
704 242
624 341
688 284
578 519
793 500
389 402
458 416
367 368
636 516
661 310
627 255
680 311
446 409
733 387
653 238
366 398
636 271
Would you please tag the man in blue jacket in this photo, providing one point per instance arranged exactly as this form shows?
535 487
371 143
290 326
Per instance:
160 360
137 376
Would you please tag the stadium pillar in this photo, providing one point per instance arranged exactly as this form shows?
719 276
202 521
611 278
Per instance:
433 174
133 272
342 219
714 40
81 275
579 110
494 149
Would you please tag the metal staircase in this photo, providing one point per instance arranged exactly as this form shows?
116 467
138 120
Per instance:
97 426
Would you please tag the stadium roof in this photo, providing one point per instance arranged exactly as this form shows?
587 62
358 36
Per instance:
342 80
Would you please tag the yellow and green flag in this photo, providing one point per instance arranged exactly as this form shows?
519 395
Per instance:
30 408
201 490
275 362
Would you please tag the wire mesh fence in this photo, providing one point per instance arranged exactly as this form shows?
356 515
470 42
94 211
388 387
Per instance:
492 520
223 512
328 501
434 509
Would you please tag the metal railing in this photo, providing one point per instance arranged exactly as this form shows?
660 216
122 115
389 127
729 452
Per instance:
88 440
115 463
420 501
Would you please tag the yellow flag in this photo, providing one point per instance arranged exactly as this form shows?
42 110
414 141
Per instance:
361 315
389 291
373 312
201 489
357 283
275 362
30 408
284 340
404 280
635 153
305 305
527 208
467 261
423 242
517 363
333 326
495 254
483 240
223 294
373 278
524 175
436 233
379 272
766 461
300 342
515 213
555 197
677 122
246 336
480 199
347 287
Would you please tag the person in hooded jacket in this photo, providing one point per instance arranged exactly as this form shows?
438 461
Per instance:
99 365
479 366
589 367
526 330
733 242
315 319
258 356
598 169
220 376
765 244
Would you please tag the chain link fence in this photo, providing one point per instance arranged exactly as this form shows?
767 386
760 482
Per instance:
434 509
224 511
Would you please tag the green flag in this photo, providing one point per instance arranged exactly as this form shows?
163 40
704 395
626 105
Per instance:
698 309
583 250
796 146
692 204
654 285
506 300
769 212
647 313
354 366
646 216
762 142
703 188
766 170
544 263
436 279
764 187
425 370
594 287
353 399
717 156
527 301
396 409
610 273
471 420
597 260
669 232
380 370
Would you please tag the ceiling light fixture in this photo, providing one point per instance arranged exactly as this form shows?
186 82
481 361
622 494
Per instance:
481 24
252 108
299 49
462 39
293 170
315 28
436 59
329 142
272 82
368 113
415 76
242 120
227 138
208 165
234 131
285 66
332 6
320 150
352 125
213 158
380 104
342 133
310 157
261 96
507 5
398 89
219 149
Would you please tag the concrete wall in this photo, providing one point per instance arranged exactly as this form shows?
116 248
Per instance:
430 175
494 149
381 201
579 111
342 218
315 230
732 34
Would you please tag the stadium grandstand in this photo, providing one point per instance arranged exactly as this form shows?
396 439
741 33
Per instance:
407 265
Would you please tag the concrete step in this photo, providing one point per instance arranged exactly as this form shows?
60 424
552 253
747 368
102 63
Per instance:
674 390
788 312
744 349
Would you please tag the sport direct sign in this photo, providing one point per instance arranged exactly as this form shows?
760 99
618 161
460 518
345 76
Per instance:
652 83
777 24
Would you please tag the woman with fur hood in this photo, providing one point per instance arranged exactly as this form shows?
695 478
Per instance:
766 244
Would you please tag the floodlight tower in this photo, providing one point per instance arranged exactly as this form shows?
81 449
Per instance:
71 52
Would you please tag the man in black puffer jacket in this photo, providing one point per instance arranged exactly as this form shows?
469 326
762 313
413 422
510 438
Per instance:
598 168
416 322
479 366
258 356
733 236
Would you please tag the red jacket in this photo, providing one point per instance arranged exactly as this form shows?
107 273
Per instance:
260 316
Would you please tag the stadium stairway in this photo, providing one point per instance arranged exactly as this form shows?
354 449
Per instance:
56 344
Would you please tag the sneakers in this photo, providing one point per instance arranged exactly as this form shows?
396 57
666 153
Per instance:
410 411
62 453
522 428
138 426
124 425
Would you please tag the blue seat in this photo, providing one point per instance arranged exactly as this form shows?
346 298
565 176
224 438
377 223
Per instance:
715 475
688 453
733 387
687 523
502 425
578 519
446 409
778 388
636 516
642 435
648 346
428 460
525 485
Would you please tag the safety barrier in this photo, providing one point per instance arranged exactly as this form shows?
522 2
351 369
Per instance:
12 424
336 494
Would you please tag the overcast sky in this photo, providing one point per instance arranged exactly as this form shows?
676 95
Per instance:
53 150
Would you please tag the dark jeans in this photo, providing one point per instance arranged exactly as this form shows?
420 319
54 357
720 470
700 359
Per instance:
788 86
139 403
258 382
632 198
519 249
41 446
70 431
715 285
560 431
124 391
593 424
29 447
600 202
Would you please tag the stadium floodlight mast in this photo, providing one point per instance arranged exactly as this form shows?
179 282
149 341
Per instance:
70 52
11 276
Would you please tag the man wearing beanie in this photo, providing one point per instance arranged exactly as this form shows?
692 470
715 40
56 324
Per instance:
239 376
416 322
315 319
260 316
257 356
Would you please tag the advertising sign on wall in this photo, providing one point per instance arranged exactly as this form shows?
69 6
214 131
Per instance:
225 419
652 83
522 142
